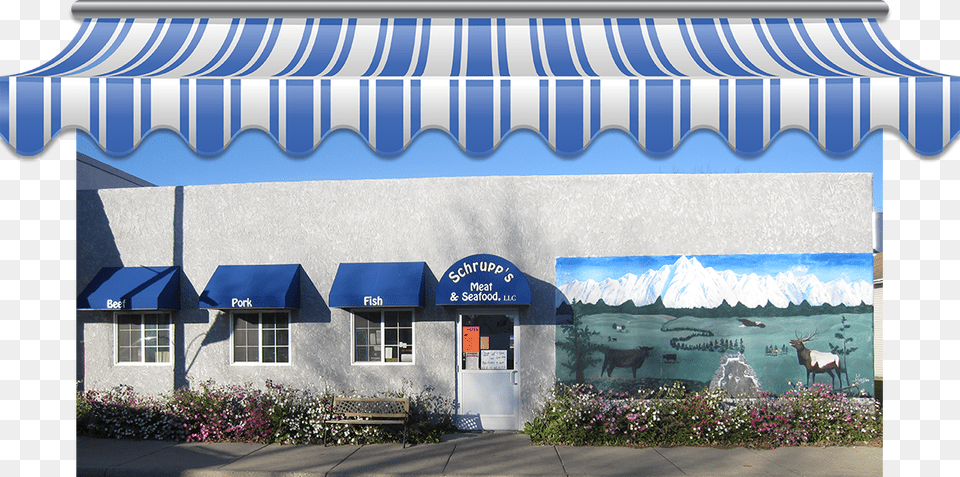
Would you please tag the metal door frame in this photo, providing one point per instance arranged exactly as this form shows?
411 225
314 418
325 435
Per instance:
515 377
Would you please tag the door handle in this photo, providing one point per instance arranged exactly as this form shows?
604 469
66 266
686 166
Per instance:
513 378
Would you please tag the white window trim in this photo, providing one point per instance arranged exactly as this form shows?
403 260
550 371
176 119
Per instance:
353 338
143 354
260 312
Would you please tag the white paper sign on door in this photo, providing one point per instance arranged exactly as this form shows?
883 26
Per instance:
493 359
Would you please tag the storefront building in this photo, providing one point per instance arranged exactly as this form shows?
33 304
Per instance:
447 283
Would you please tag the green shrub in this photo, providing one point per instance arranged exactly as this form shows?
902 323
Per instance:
432 415
219 413
580 415
121 413
210 412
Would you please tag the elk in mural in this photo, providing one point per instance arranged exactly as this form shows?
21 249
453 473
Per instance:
817 361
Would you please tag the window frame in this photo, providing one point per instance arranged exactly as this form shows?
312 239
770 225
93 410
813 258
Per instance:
382 362
259 312
143 355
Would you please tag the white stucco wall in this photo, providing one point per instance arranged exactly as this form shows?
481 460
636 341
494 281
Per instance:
530 221
878 313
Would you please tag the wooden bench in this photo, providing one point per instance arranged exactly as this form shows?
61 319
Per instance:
370 411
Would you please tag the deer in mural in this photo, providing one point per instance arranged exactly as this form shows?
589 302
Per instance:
816 361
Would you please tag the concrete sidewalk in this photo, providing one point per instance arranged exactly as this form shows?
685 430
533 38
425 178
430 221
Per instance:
491 454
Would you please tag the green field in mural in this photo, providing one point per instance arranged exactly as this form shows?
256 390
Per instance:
631 323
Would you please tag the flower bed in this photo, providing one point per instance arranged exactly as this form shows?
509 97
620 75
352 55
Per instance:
576 415
231 413
580 415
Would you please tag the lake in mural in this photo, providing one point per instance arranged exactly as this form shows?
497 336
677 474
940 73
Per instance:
630 323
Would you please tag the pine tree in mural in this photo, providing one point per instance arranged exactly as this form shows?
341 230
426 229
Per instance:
841 349
579 347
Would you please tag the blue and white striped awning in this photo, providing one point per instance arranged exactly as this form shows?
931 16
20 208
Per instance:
299 79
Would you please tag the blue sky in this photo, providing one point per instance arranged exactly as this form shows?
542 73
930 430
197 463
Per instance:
826 267
253 156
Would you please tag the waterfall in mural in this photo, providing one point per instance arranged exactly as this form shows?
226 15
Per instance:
630 323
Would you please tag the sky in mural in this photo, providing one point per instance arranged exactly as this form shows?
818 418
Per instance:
826 267
164 159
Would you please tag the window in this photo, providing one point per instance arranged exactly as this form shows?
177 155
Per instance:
261 337
143 337
383 336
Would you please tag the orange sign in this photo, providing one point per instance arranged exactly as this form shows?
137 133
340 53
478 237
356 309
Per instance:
471 339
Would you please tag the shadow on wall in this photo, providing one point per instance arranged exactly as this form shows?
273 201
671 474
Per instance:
96 245
542 302
96 248
431 313
190 313
313 309
332 359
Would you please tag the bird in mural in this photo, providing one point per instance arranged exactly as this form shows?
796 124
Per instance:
620 328
747 322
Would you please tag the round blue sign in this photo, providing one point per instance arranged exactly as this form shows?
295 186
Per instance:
483 280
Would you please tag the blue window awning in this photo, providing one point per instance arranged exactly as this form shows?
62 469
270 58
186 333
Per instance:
566 78
253 286
132 288
483 279
362 285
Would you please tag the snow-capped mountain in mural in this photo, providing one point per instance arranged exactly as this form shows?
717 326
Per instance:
688 284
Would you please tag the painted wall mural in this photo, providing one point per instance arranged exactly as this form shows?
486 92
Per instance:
767 322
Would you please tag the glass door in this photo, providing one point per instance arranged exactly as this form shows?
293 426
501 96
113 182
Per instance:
488 385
